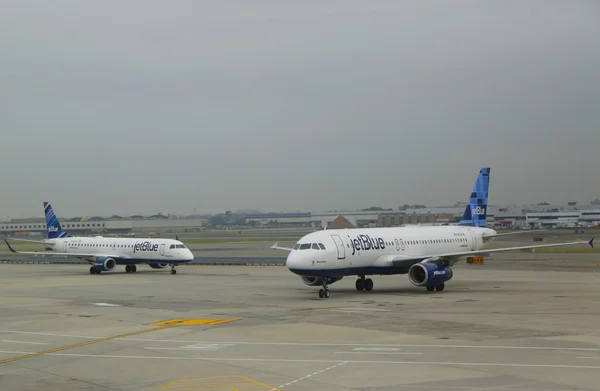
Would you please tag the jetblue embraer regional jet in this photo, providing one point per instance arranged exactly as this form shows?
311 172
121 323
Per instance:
426 254
104 254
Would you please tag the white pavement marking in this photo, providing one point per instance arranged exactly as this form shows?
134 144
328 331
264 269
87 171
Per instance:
313 344
307 376
32 343
444 363
593 358
12 352
405 353
106 304
205 346
49 334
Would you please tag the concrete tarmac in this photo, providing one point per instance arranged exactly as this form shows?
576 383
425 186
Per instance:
260 328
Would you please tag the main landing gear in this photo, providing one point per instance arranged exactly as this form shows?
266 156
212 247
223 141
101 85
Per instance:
93 270
439 288
173 271
363 284
130 268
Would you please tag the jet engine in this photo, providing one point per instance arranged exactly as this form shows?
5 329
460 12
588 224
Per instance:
104 264
318 281
422 274
158 265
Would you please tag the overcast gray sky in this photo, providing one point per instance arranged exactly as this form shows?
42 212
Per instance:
165 106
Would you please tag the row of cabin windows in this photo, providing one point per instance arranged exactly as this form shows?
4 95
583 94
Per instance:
321 246
434 241
99 245
306 246
428 241
118 245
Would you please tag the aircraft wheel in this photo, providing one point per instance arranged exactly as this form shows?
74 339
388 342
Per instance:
360 284
430 288
327 293
128 269
321 293
173 271
440 287
92 270
133 268
368 284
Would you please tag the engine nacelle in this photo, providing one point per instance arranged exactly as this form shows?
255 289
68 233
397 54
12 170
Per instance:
318 281
105 264
158 265
422 274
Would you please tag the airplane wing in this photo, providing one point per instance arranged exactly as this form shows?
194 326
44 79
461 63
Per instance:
276 247
451 258
53 253
511 233
31 241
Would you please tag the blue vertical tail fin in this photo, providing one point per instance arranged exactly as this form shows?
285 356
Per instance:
476 210
53 227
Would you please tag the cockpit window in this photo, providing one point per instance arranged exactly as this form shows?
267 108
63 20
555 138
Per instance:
322 246
305 246
172 246
297 246
315 246
180 246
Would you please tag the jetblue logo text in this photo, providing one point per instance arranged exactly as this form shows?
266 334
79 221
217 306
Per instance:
365 242
145 246
477 211
52 229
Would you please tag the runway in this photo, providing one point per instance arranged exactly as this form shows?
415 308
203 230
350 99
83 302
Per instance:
259 328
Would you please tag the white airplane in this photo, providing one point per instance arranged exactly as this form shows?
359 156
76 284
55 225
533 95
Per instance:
104 254
426 254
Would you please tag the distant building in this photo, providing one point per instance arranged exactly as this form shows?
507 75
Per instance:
339 222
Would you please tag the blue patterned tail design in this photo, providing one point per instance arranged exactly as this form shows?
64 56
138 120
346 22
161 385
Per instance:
476 210
52 225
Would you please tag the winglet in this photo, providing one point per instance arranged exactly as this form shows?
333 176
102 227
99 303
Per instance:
591 242
9 247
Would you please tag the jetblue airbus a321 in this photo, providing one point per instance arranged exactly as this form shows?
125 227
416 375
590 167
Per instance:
104 254
426 254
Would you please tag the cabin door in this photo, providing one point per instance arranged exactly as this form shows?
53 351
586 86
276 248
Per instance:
473 240
341 250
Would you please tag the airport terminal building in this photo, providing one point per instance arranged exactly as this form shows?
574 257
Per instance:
146 226
509 217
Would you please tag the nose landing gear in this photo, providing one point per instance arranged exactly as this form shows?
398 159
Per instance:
324 293
173 271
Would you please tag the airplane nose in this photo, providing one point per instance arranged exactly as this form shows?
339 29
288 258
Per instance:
295 262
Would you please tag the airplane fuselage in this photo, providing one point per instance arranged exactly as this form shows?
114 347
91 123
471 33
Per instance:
370 251
125 250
